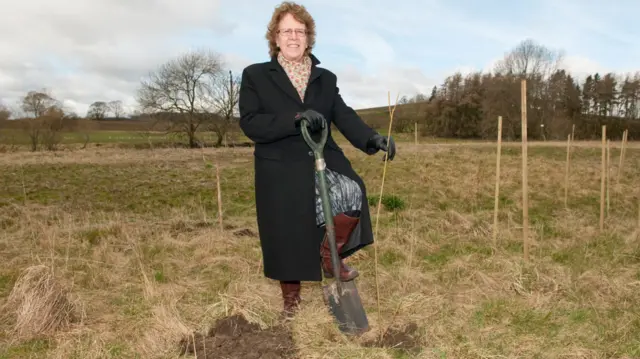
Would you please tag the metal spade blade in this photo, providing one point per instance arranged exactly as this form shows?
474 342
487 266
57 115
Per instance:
345 305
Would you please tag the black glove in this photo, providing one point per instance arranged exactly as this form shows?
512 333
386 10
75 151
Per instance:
315 119
379 142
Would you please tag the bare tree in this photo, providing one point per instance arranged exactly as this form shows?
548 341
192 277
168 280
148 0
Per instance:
225 96
420 97
36 104
116 108
181 90
530 59
537 64
98 110
51 124
5 113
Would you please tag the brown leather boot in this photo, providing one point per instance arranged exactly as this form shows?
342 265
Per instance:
291 297
344 225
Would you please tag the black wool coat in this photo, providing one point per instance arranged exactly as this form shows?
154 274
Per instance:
284 166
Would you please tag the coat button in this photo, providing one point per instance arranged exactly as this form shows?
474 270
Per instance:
310 153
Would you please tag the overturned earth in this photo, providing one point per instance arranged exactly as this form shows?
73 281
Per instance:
405 339
234 338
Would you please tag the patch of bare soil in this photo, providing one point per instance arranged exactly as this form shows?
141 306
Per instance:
242 232
404 338
235 338
245 233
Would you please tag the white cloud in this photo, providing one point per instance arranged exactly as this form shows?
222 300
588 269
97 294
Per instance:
582 66
369 90
84 51
367 85
98 50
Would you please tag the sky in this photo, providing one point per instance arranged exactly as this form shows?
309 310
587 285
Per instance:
100 50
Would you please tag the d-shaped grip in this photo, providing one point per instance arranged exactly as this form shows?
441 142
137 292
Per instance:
315 146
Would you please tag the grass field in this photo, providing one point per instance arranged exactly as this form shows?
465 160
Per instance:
133 236
17 137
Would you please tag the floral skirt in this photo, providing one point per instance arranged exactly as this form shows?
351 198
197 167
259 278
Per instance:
344 195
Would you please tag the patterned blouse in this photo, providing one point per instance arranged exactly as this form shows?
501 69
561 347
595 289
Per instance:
298 72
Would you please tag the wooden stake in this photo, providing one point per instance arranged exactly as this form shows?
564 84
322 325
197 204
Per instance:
219 196
497 193
623 147
525 174
415 133
566 171
608 176
603 169
475 184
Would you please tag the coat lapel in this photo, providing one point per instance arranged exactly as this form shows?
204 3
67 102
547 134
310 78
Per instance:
279 76
315 73
315 70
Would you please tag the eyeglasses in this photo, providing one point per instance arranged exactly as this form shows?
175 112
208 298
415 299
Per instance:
290 32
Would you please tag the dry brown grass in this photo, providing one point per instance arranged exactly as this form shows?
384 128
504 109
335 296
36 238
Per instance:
141 253
38 304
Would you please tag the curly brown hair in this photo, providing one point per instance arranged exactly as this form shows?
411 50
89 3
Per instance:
300 13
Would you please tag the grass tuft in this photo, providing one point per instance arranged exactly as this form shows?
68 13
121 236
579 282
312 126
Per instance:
38 305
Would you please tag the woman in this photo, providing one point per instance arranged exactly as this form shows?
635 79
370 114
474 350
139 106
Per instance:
274 97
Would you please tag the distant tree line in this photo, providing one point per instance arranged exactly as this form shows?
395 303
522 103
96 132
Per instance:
100 110
186 96
43 119
469 106
194 93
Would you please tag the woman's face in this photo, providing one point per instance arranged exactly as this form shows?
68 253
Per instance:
291 38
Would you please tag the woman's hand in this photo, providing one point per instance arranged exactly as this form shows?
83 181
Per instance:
379 142
315 119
